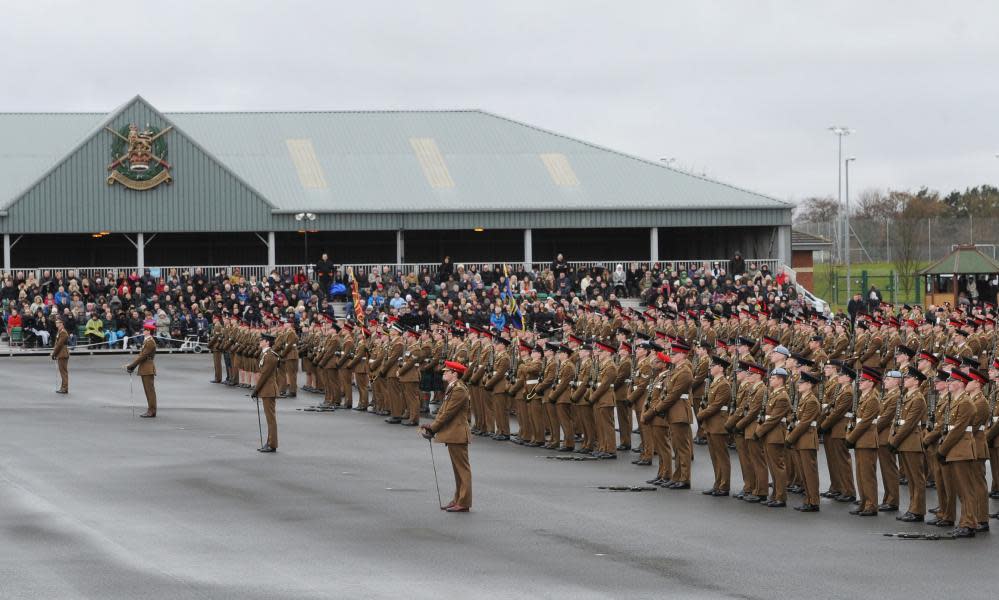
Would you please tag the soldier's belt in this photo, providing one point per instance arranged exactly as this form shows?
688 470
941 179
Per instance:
848 415
724 409
531 381
684 396
968 429
981 428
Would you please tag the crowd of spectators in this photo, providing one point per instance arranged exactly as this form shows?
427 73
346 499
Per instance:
108 310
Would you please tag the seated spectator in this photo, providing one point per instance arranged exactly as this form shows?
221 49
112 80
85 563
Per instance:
94 331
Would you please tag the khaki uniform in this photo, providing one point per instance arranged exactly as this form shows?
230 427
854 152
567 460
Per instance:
804 439
906 437
450 427
144 361
712 420
267 390
60 354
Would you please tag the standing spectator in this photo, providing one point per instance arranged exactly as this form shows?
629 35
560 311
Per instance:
855 307
873 299
324 273
445 271
559 265
737 266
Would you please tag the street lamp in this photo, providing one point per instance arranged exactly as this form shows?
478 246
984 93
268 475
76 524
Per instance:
848 161
309 217
840 131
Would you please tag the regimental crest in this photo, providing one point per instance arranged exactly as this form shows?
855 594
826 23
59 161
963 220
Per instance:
139 157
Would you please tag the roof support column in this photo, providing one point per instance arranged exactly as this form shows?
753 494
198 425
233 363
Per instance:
140 251
271 252
400 247
528 249
6 252
784 244
654 244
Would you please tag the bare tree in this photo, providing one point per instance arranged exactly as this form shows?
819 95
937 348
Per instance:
910 221
816 210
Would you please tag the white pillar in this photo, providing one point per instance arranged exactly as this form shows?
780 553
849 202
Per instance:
140 249
400 249
784 244
654 244
528 249
6 252
271 252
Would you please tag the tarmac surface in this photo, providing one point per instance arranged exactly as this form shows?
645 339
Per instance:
96 503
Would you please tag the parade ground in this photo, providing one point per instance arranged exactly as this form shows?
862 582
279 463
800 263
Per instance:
97 503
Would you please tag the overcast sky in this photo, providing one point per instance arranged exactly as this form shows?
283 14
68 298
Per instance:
743 91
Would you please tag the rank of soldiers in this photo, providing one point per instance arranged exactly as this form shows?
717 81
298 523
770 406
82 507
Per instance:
909 394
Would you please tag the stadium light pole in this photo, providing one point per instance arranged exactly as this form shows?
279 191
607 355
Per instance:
840 131
848 283
308 218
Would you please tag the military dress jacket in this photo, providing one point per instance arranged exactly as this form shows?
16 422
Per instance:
145 359
451 424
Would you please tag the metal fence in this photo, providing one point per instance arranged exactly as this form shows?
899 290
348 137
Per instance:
259 272
877 240
891 287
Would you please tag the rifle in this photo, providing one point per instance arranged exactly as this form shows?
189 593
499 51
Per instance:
734 400
795 396
855 407
511 375
931 408
762 416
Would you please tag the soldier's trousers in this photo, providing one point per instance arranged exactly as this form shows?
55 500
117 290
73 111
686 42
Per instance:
332 386
932 464
537 411
758 463
867 478
624 423
980 490
564 411
488 424
720 463
776 464
551 421
280 376
994 465
960 473
840 466
462 474
291 377
63 364
660 445
793 464
643 432
230 372
584 414
346 387
914 469
889 475
475 404
362 389
411 394
604 418
396 402
946 488
745 465
270 413
501 412
681 439
809 473
217 364
149 387
378 394
524 425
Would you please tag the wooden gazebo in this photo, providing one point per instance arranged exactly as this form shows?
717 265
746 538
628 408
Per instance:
942 279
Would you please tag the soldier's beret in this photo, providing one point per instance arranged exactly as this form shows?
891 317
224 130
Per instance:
457 367
717 360
914 372
809 377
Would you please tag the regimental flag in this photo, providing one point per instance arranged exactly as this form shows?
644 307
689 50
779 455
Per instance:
356 296
516 320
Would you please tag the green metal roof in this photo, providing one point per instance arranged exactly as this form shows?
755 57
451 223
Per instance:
368 161
963 260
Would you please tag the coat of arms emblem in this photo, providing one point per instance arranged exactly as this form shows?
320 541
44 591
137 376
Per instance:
139 157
